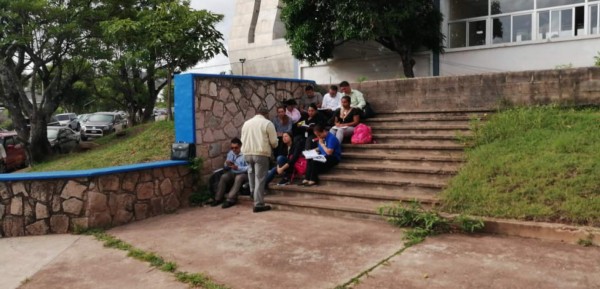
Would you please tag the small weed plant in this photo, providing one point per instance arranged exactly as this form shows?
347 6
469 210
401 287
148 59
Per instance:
423 223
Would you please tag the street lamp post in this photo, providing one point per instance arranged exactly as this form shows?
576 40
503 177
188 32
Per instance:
242 60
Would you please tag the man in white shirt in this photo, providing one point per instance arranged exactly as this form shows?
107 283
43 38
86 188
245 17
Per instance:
331 100
259 138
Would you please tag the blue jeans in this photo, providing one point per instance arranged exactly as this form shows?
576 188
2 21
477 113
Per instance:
281 160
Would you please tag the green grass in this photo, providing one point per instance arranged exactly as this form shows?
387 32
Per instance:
536 163
143 143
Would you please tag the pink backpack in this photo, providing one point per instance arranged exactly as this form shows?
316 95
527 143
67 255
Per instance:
362 134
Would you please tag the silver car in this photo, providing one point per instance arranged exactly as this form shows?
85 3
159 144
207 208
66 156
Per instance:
69 119
102 123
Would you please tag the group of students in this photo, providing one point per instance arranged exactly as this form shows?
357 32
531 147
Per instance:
320 123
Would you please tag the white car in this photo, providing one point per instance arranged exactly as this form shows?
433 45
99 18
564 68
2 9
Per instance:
70 120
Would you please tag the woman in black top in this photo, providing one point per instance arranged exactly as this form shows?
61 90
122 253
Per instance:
287 155
346 118
306 129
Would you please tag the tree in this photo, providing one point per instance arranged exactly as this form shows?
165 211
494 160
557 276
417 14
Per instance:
315 28
152 40
39 41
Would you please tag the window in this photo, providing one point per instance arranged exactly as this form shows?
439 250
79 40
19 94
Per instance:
508 6
555 23
554 3
458 35
593 19
461 9
521 28
501 29
477 33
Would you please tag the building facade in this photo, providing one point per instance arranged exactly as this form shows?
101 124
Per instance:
482 36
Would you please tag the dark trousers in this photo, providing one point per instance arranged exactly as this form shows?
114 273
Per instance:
314 168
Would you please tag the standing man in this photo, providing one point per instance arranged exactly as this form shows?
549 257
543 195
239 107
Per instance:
259 138
356 97
236 174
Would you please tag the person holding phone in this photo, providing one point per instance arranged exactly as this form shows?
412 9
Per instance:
235 175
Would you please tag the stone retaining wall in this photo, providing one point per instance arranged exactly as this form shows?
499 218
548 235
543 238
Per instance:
37 207
487 91
223 104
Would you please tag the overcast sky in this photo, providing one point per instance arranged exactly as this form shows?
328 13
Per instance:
227 8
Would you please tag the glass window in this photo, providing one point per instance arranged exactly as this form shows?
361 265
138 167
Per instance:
501 30
594 19
458 35
461 9
507 6
521 28
477 33
544 25
553 3
554 23
566 22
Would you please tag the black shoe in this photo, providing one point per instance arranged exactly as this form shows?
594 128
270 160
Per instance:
216 203
283 182
259 209
227 204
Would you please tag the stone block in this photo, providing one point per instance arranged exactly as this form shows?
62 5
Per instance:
256 101
231 131
122 217
97 202
206 104
41 211
218 109
208 136
73 190
4 192
145 176
121 202
129 181
38 228
212 89
100 220
18 188
42 191
158 174
239 120
157 206
73 206
59 224
16 206
237 94
109 183
171 172
166 187
232 108
145 190
183 170
80 223
56 201
171 204
2 210
214 150
13 226
28 211
141 211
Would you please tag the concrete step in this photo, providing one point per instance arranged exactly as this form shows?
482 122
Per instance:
433 120
382 183
345 167
436 112
326 207
422 159
425 128
359 171
453 150
415 139
406 194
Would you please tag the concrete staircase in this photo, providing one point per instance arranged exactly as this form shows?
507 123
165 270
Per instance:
413 156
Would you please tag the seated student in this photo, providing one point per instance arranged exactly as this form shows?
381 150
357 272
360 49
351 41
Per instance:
330 147
282 122
291 111
356 97
307 123
236 174
331 101
345 120
287 155
309 97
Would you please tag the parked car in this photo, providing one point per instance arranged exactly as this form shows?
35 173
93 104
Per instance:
12 152
102 123
70 120
62 139
83 118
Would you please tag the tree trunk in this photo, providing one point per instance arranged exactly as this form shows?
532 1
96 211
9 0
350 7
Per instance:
40 147
407 64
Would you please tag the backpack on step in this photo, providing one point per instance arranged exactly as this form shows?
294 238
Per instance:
362 134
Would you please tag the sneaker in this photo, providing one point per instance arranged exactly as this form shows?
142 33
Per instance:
283 182
259 209
228 204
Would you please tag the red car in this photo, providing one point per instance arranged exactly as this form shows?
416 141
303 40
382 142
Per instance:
12 152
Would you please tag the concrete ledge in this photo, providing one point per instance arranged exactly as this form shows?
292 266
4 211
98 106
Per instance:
540 230
89 173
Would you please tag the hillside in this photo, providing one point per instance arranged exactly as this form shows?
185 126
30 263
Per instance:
143 143
539 163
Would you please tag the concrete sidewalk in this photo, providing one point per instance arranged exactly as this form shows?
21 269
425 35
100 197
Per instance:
279 249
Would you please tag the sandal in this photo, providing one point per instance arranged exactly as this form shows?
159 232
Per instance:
303 183
310 184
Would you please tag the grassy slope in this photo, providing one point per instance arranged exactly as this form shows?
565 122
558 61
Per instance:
533 164
144 143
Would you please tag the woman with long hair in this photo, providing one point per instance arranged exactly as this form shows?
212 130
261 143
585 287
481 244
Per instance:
287 155
346 118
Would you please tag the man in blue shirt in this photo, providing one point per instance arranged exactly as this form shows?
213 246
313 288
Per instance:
236 174
330 147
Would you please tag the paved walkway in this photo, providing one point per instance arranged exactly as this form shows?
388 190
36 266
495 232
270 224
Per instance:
280 249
